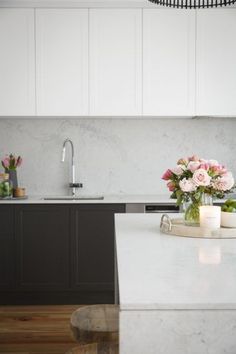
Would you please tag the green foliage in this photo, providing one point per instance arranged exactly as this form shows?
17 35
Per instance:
192 213
229 206
5 189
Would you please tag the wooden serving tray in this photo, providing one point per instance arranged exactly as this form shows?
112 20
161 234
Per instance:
176 227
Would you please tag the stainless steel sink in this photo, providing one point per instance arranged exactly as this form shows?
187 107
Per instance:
99 197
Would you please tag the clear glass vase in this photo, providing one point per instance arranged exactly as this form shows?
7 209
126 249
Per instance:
191 209
5 186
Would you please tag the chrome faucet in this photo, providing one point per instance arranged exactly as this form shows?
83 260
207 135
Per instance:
73 185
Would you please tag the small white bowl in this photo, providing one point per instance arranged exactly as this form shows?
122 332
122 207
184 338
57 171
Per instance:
228 219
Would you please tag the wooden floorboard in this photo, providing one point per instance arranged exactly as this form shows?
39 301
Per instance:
36 329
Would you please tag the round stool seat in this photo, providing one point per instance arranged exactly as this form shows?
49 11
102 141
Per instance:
95 324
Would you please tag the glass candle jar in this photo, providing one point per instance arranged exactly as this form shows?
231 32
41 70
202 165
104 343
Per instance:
6 189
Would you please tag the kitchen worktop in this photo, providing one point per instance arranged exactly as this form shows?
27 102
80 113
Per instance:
110 199
177 295
158 271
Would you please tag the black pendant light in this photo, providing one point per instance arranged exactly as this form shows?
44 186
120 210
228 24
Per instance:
193 4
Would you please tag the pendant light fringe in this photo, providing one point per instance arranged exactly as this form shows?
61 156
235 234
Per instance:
193 4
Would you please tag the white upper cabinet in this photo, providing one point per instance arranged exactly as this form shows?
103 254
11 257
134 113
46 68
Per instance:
216 62
117 62
115 83
168 62
17 70
62 62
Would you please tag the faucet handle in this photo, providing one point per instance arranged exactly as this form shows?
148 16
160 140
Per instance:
76 185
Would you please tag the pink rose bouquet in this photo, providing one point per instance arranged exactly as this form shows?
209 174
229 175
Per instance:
193 176
11 162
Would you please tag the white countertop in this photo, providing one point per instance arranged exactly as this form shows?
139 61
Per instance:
158 271
110 199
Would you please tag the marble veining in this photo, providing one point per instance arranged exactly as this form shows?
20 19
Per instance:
113 156
159 272
178 332
172 301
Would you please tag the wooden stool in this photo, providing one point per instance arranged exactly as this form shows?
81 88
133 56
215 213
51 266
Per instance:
95 348
96 324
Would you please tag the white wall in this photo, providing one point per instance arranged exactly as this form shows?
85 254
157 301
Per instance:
112 155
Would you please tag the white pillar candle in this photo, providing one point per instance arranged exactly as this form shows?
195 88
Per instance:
210 216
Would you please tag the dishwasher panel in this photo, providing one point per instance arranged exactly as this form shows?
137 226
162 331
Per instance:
161 208
152 208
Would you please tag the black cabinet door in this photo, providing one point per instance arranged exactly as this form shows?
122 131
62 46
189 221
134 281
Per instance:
93 246
7 249
43 239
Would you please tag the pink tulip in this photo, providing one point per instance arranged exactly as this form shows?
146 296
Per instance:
19 161
167 175
6 162
11 162
204 166
219 170
171 186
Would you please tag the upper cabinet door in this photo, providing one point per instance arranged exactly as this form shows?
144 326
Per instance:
115 62
216 62
62 62
17 75
168 62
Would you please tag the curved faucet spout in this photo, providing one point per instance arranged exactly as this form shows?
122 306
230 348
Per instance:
64 150
72 162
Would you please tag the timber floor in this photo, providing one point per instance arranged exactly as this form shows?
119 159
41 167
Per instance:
36 329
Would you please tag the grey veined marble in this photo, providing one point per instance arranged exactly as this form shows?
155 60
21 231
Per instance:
177 295
113 156
178 332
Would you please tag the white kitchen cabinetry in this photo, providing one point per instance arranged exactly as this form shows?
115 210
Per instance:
62 62
168 62
216 62
115 37
17 65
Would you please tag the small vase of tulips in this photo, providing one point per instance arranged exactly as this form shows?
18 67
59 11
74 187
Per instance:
10 163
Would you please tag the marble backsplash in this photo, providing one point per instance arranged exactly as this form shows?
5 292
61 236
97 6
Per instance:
113 156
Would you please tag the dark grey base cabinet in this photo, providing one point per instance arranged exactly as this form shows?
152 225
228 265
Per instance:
57 254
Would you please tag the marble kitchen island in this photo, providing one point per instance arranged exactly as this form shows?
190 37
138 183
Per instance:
177 295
